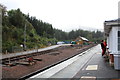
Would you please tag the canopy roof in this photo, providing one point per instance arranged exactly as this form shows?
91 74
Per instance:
109 24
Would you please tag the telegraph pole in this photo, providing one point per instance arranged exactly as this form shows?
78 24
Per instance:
25 36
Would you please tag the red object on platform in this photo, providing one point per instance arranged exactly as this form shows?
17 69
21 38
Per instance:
112 58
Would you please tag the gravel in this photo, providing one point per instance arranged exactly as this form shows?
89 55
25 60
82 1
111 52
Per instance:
15 72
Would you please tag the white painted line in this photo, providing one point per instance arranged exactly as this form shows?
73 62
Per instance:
92 67
88 78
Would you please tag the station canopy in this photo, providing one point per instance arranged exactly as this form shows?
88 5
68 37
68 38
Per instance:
109 24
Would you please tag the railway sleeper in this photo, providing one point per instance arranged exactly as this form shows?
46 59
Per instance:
10 64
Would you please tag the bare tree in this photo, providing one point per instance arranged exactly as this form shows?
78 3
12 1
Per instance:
3 9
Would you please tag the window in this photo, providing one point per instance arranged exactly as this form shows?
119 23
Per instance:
118 40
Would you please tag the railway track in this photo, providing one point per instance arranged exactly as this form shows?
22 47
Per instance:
49 66
13 61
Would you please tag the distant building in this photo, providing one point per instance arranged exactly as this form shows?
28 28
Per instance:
112 32
60 42
81 40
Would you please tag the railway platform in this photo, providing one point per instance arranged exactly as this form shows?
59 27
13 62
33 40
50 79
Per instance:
31 51
89 65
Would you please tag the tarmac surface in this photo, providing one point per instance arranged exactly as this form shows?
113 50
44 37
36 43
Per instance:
89 65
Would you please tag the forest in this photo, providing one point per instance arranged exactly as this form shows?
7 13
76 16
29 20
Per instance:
22 29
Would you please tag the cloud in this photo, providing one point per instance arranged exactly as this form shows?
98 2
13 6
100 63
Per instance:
63 14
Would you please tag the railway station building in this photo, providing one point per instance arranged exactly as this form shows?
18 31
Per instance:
112 34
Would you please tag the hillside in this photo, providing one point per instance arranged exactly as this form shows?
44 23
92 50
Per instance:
22 32
17 30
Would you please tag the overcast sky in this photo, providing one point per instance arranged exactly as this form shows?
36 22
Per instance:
68 14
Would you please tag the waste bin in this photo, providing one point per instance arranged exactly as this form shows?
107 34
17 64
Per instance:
117 61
